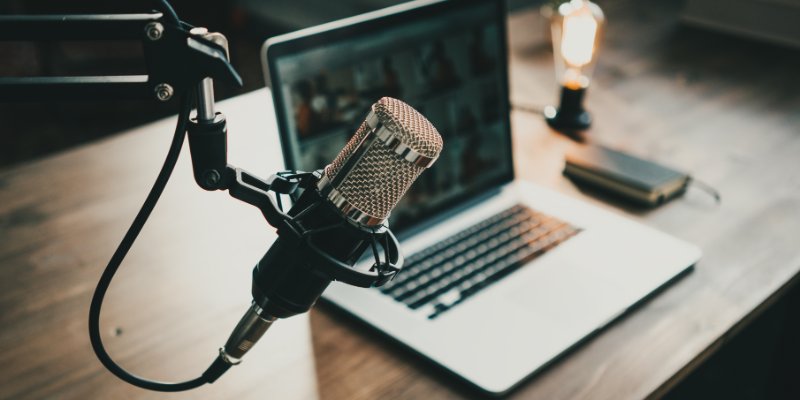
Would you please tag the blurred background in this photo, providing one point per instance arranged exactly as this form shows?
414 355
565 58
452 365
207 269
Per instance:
36 129
33 130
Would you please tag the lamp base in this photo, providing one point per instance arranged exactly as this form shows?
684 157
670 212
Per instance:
570 118
562 121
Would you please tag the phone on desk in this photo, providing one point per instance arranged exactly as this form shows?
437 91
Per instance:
638 180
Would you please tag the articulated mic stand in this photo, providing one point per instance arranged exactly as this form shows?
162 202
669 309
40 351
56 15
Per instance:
180 60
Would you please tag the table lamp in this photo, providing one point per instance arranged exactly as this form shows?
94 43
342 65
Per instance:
577 27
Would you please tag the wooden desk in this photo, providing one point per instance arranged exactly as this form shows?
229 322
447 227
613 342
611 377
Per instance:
179 293
725 109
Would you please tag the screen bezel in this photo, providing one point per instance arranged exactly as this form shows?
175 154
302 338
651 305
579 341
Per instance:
388 18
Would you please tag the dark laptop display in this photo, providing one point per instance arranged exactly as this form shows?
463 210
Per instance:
453 72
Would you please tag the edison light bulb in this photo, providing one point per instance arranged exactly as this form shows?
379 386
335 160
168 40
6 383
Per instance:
577 28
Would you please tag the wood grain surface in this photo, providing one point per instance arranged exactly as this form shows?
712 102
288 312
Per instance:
724 109
177 296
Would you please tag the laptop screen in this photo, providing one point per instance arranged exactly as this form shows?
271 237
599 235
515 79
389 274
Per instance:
446 59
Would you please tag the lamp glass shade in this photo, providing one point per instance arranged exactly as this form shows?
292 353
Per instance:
577 28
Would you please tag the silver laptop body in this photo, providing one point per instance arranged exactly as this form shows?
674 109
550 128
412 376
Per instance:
534 303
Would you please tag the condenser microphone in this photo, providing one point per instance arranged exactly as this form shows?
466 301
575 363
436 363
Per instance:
342 213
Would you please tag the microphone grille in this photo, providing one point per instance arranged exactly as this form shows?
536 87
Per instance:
411 127
378 170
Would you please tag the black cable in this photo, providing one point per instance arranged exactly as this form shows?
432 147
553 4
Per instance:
169 12
708 189
528 108
219 366
122 251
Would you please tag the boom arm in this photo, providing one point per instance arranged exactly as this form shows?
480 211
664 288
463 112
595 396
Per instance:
177 57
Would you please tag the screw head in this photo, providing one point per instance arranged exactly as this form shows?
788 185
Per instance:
211 178
164 91
154 30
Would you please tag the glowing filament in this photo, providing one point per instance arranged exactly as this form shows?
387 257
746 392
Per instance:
577 40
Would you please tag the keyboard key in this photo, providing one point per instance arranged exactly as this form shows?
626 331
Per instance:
444 274
449 298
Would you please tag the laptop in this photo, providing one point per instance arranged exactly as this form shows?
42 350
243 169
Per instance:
501 276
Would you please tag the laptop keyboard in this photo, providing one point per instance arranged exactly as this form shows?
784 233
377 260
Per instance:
444 274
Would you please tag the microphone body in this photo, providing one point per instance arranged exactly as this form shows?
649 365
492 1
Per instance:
284 282
341 214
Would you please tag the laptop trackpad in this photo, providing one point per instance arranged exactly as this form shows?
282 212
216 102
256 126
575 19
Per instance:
574 296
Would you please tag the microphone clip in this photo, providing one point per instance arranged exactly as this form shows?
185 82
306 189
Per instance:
253 190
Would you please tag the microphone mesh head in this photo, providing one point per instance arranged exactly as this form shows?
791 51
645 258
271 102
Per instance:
376 182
